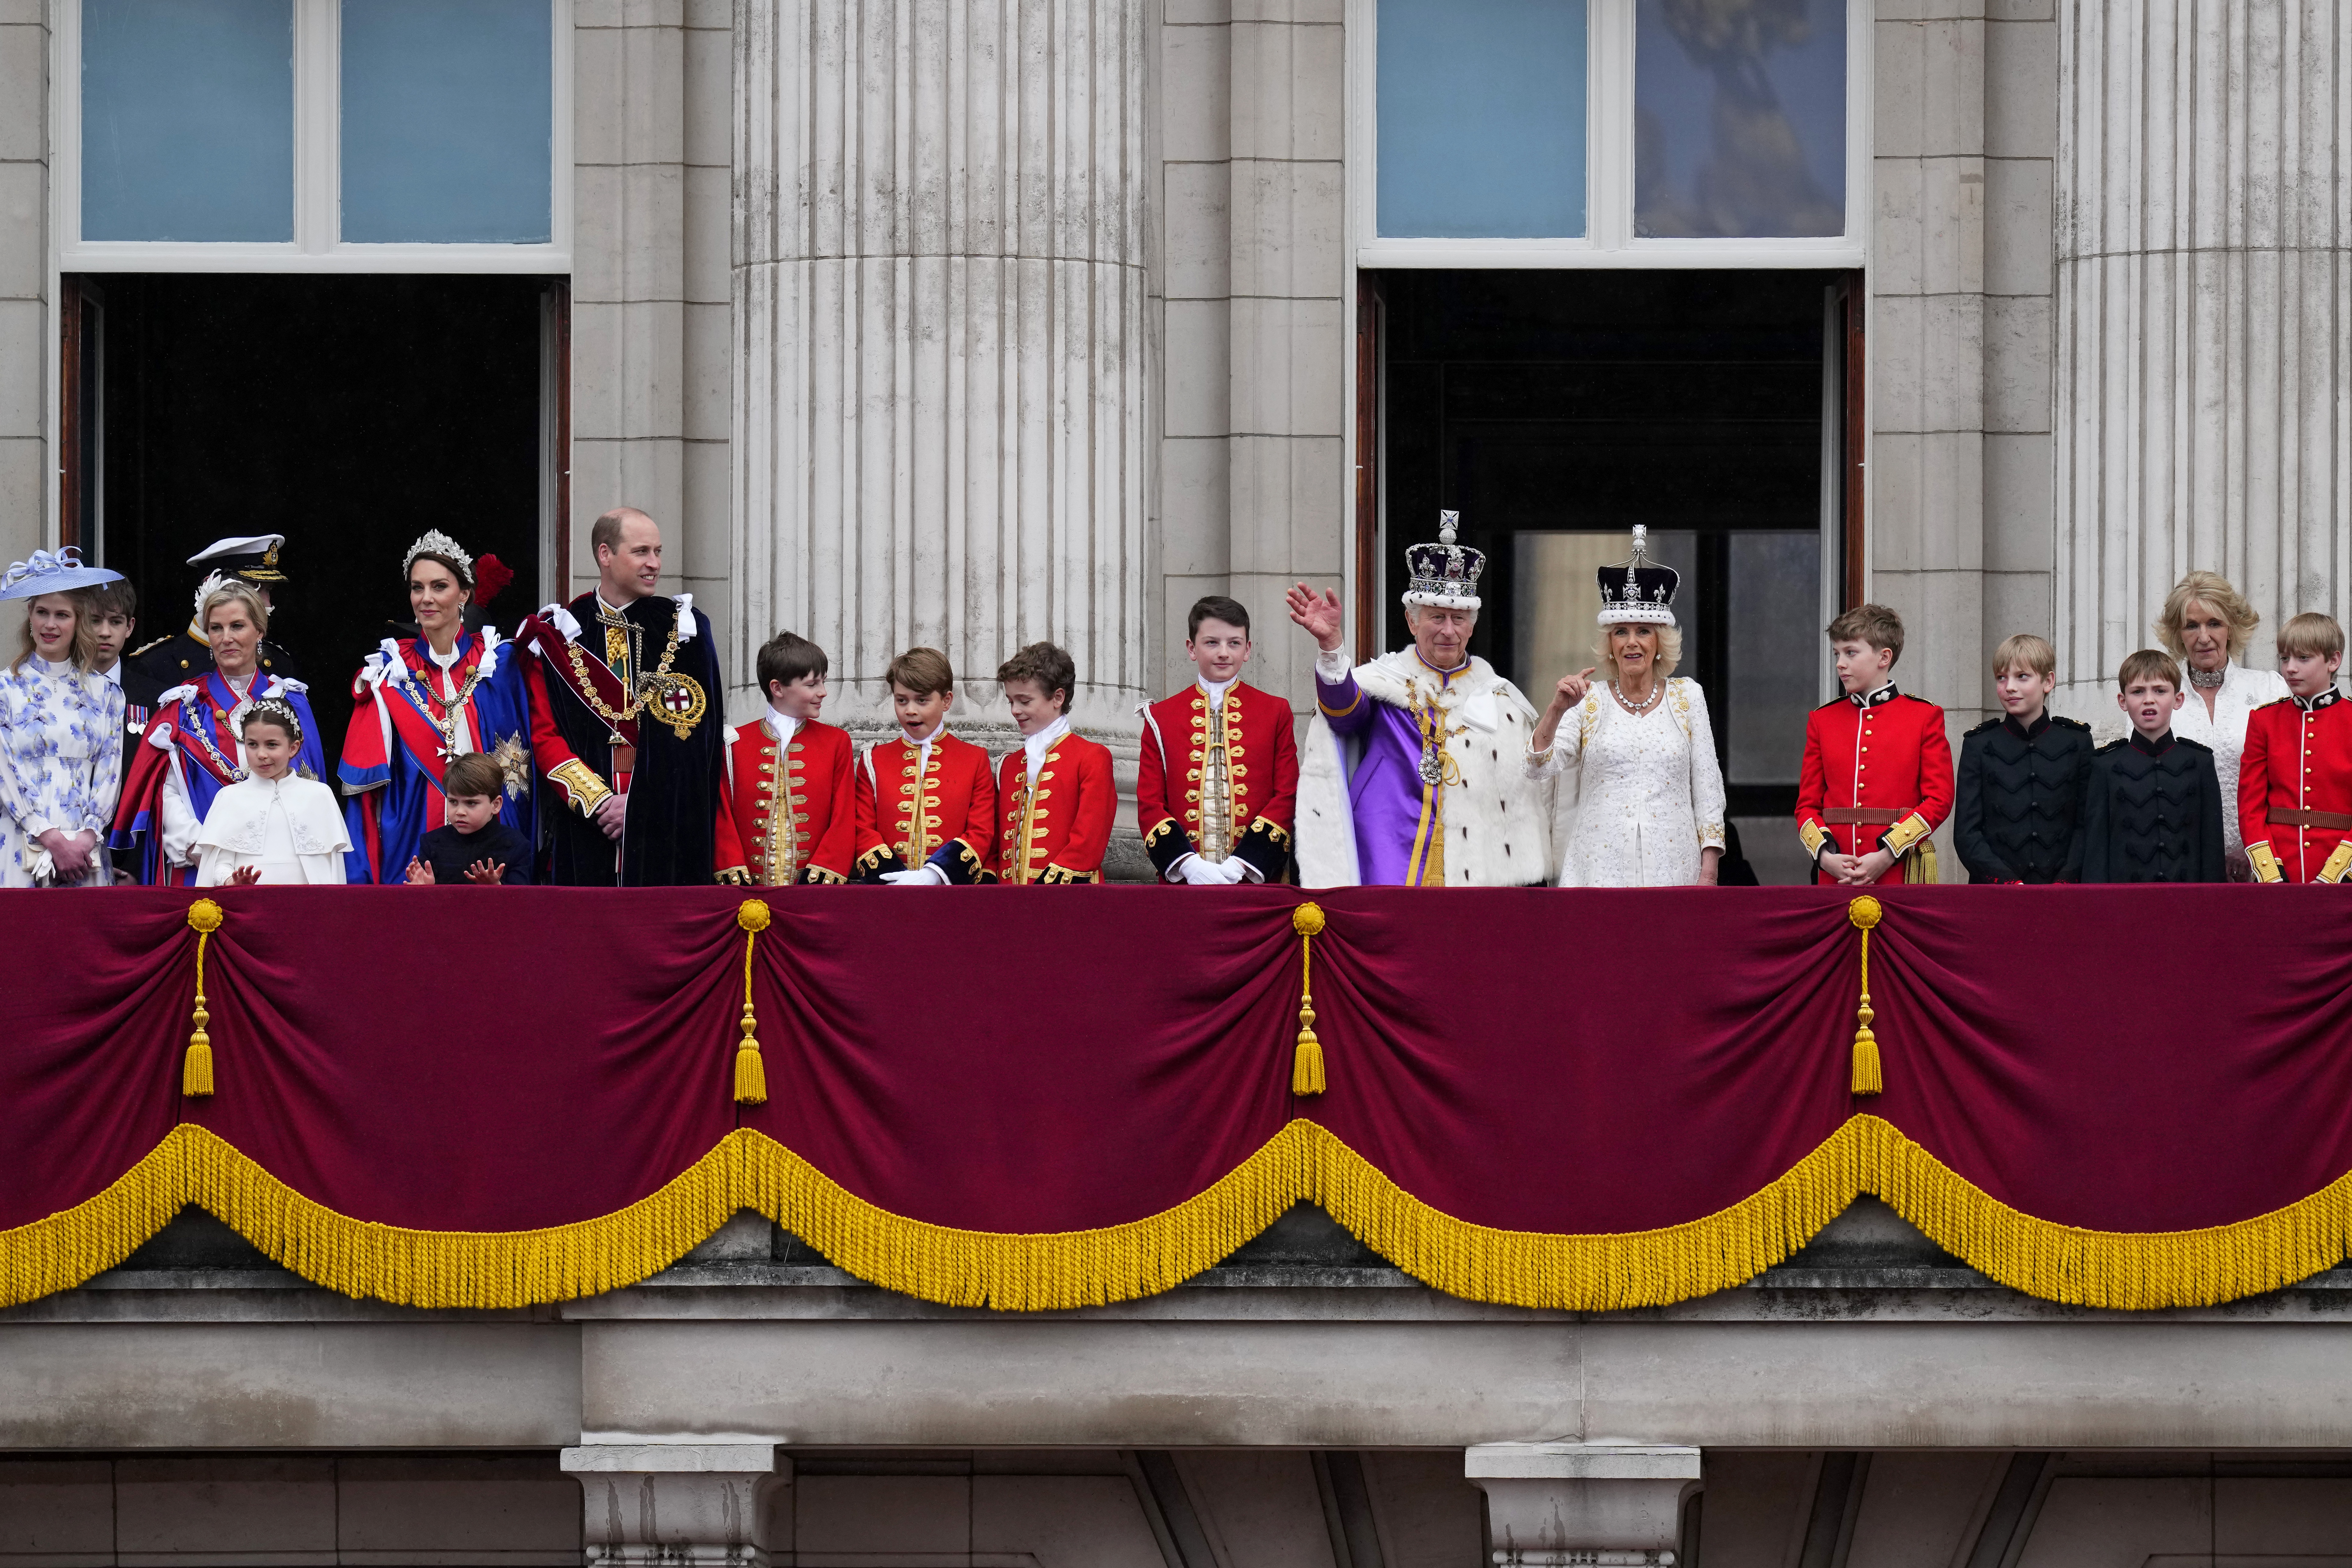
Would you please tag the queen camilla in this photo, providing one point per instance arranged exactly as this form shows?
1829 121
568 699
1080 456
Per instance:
1649 806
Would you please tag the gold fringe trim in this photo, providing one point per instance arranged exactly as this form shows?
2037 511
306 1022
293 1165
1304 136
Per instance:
1056 1270
2132 1270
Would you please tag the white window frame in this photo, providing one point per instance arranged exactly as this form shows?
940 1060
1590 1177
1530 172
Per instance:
1609 240
318 175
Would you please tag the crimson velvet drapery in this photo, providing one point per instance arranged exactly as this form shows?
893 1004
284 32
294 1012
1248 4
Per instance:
1590 1098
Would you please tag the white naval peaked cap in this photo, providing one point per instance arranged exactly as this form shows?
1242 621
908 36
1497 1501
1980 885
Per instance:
256 544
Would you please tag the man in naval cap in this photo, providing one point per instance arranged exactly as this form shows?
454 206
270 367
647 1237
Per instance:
185 655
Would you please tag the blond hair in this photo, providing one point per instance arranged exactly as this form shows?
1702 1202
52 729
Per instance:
2212 589
83 652
240 591
2311 635
1670 647
2026 651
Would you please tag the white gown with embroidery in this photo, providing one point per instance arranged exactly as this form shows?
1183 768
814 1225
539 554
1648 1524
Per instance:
1649 793
289 827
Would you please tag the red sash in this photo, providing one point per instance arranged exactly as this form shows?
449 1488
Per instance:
555 652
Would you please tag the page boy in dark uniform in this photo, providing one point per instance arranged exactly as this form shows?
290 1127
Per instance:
184 655
787 815
2295 777
621 681
2016 811
1877 776
925 800
2152 803
1218 784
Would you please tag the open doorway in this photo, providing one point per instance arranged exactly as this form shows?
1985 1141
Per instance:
350 414
1554 410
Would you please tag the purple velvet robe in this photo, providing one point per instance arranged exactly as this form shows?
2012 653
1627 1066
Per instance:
1384 790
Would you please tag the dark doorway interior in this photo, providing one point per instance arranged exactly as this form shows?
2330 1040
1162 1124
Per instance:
349 413
1563 402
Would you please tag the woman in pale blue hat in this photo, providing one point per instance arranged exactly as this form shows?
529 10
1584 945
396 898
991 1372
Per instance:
60 731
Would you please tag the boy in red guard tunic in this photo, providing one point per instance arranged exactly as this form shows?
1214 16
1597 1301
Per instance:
926 801
788 813
1055 796
2294 778
1220 765
1877 778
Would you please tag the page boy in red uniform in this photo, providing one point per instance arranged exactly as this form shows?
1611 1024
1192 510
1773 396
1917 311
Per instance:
1220 767
1055 798
926 801
787 811
2295 777
1877 777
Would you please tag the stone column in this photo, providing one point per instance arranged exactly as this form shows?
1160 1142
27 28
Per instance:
2203 390
941 340
1615 1505
675 1502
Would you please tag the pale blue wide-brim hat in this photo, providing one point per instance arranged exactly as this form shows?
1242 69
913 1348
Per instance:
52 571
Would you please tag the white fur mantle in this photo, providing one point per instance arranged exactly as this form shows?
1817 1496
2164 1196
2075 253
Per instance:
1498 820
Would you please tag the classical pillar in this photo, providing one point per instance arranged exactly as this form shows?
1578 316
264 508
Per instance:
2203 391
1613 1505
941 340
675 1502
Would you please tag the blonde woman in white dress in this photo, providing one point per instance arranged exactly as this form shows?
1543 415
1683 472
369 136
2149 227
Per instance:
1638 745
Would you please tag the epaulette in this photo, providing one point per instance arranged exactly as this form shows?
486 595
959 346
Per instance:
2111 745
1837 701
2192 745
2070 723
2276 702
1980 729
152 646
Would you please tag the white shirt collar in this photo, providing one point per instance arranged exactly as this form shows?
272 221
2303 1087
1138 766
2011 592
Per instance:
781 724
445 660
1038 744
114 672
1216 689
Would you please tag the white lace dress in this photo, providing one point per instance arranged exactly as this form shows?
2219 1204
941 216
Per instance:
1648 795
60 766
2223 731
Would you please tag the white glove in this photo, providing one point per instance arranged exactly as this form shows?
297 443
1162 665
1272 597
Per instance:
1201 873
1234 870
920 876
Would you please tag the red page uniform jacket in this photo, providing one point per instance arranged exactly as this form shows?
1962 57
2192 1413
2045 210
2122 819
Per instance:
2294 789
1877 774
1218 780
789 814
1056 831
919 807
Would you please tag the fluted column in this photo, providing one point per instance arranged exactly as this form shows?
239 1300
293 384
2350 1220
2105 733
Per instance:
941 338
2204 339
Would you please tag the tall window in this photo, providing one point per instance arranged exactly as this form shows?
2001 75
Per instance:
369 133
1560 132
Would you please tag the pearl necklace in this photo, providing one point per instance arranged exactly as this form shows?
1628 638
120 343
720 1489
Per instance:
1657 689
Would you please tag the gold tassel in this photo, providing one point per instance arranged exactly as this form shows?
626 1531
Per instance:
1865 912
1306 1062
750 1073
197 1069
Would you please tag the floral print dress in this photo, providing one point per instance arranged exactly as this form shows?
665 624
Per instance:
60 766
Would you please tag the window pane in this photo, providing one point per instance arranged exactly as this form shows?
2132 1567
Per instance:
1739 118
1482 118
1772 646
187 120
448 114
